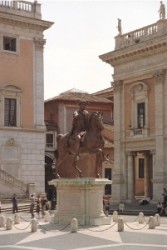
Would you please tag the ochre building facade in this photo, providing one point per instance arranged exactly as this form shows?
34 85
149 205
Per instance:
140 112
22 130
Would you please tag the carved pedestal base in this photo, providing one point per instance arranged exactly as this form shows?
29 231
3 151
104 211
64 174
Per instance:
81 199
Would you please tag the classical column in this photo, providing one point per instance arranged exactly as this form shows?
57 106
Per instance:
130 177
152 152
146 175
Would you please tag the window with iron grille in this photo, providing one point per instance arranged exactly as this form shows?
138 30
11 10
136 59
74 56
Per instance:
9 43
49 140
10 112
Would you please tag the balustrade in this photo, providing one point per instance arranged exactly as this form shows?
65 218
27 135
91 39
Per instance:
145 33
31 8
6 177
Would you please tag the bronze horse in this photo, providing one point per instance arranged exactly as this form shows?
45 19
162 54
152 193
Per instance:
92 142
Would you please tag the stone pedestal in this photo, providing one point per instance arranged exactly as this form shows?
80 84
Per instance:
81 199
31 188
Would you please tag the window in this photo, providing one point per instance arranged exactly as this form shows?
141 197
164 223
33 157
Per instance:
139 109
10 112
108 175
10 106
141 168
49 140
141 115
9 43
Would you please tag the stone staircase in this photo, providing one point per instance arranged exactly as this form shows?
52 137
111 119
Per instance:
7 208
6 203
10 184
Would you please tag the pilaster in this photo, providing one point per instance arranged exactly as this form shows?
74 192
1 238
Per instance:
130 177
38 82
159 123
118 172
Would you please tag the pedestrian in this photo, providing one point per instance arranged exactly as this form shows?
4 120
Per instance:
159 207
145 201
164 194
38 207
121 207
32 205
43 205
14 204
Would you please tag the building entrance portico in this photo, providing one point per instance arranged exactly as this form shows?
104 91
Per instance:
139 175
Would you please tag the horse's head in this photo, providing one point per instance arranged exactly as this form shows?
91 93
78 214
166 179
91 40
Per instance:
96 121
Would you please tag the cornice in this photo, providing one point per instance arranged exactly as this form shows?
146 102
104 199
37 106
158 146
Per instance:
26 22
136 52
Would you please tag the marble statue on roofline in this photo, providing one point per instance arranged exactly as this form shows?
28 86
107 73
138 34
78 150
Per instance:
119 26
162 10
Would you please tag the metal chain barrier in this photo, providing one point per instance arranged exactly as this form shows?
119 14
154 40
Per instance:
137 228
22 228
23 219
102 230
44 228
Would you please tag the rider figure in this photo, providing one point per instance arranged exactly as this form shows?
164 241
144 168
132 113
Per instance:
80 125
80 120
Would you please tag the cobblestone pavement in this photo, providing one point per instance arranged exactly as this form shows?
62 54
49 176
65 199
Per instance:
58 237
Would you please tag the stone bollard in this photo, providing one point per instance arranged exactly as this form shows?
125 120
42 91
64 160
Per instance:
141 218
2 220
34 225
157 220
9 223
46 216
16 219
120 225
115 216
74 225
151 222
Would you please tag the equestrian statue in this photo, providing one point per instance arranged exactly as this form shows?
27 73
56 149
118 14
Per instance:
84 137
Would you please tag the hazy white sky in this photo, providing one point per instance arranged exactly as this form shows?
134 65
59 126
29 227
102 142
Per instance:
83 30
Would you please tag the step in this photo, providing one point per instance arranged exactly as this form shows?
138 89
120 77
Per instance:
6 208
8 199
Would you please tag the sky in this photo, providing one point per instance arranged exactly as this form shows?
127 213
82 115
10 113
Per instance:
82 31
